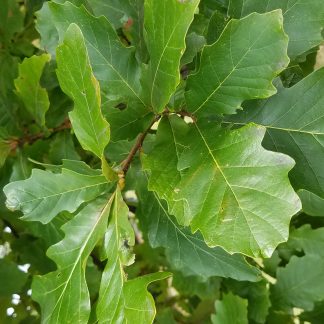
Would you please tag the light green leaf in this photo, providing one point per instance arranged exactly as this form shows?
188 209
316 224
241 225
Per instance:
166 24
63 295
113 64
239 66
45 194
313 205
303 20
120 300
77 81
29 89
139 304
300 284
185 251
230 310
231 189
294 120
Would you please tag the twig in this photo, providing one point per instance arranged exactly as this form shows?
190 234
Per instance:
138 144
32 138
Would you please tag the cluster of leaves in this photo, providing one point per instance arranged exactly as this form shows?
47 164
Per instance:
155 157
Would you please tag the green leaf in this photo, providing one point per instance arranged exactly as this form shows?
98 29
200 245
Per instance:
295 126
299 284
166 24
62 147
128 122
29 89
4 151
120 300
244 202
162 161
239 66
311 241
194 44
128 15
230 310
63 295
313 205
11 20
12 279
303 20
113 64
185 251
77 81
257 295
44 194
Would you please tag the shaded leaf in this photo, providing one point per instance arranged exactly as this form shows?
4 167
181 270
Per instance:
313 205
4 151
239 66
44 194
127 123
77 81
29 89
62 147
299 284
128 15
12 279
166 24
311 241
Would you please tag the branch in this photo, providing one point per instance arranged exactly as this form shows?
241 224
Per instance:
32 138
138 144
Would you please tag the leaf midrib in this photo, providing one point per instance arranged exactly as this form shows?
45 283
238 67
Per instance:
65 284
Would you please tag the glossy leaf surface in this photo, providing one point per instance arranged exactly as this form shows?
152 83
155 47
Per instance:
303 20
239 65
226 182
166 24
185 251
42 196
77 80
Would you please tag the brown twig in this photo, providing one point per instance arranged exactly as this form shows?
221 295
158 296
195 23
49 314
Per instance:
32 138
138 144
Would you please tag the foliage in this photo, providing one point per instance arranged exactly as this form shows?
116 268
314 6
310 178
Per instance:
161 161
